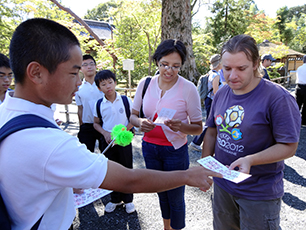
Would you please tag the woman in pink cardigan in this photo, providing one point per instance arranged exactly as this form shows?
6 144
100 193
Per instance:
164 146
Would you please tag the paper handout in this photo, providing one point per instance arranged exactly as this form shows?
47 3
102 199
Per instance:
212 164
89 196
164 115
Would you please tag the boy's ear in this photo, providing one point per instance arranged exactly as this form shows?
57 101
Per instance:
35 71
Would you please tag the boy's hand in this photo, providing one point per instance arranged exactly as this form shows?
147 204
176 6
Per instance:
107 137
201 177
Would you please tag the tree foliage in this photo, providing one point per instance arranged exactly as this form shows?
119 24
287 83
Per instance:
286 33
262 28
135 36
6 26
102 11
298 42
230 18
296 12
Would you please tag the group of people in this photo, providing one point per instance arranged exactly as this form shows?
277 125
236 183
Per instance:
95 128
37 174
253 125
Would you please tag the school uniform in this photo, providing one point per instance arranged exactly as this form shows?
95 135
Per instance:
87 95
113 113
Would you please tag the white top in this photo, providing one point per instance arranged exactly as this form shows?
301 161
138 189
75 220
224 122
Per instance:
10 92
40 166
87 96
212 75
113 113
301 75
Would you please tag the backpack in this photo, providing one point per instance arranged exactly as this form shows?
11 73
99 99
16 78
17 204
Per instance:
145 86
126 107
15 124
203 86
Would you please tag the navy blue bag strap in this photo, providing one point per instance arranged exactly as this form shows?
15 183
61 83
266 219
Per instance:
146 84
24 122
126 106
16 124
127 109
98 110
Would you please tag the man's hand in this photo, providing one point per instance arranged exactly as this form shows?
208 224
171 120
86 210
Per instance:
243 164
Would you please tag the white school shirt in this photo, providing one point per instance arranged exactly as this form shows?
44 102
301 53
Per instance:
40 166
301 75
87 96
113 113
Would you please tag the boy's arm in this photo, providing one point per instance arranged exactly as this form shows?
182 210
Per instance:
121 179
99 128
80 114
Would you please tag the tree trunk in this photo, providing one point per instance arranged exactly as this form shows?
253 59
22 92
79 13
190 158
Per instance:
176 24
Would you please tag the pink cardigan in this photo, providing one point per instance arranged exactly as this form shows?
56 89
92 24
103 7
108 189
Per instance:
183 97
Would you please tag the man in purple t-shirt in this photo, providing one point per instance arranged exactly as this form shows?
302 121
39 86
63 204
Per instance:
253 126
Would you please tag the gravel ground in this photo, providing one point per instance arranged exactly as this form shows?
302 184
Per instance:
198 203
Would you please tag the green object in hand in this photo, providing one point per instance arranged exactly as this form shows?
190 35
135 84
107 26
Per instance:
121 135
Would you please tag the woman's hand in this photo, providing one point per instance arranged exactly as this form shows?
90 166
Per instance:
174 124
146 125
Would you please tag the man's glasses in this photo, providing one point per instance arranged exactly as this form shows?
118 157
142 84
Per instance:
166 67
3 77
88 64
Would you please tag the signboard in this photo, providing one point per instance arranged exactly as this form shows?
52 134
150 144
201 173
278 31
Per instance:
128 64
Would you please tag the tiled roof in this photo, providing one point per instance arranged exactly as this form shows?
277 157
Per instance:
265 47
101 29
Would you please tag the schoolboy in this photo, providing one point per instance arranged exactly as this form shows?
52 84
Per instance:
38 174
112 110
6 76
85 99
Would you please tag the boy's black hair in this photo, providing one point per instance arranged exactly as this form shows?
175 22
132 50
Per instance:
41 40
104 75
87 56
4 61
168 47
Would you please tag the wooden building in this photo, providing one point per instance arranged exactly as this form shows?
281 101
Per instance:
292 59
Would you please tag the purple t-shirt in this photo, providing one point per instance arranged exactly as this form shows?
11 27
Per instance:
250 123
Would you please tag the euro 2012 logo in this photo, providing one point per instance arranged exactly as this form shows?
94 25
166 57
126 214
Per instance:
233 118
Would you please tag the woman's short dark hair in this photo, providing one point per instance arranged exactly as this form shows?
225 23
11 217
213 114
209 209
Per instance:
168 47
104 75
243 43
41 40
